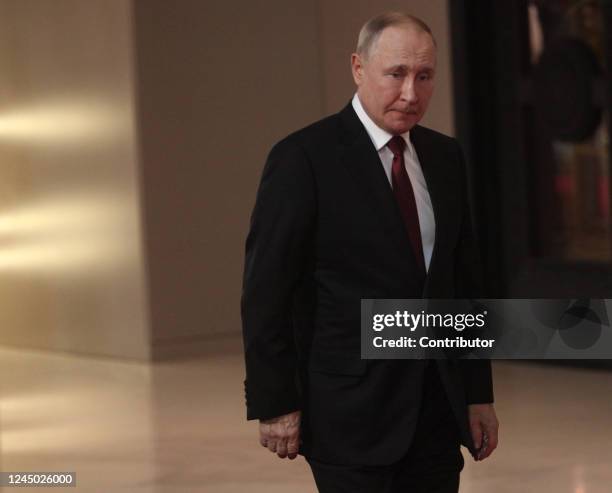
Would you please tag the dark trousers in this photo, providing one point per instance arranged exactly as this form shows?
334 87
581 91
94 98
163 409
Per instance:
431 465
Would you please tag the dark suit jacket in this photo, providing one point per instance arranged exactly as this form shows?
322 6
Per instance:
325 232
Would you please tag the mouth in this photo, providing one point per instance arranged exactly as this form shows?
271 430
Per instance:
405 112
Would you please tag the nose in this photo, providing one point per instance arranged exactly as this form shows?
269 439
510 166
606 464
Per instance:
409 91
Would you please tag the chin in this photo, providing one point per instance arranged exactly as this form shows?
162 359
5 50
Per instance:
401 126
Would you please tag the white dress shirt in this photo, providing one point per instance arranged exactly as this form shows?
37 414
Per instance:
380 138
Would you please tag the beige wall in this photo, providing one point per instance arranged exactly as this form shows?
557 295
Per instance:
218 84
71 274
110 106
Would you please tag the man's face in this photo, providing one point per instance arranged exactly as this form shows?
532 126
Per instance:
395 82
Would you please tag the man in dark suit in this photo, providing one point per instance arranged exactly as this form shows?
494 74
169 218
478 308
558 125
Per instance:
364 204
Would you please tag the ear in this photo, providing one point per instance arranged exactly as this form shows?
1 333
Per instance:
357 68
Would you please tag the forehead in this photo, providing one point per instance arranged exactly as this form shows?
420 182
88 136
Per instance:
404 44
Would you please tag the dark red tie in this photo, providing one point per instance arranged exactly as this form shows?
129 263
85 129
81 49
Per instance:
404 194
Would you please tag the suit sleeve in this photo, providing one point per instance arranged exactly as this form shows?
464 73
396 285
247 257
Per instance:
477 377
277 247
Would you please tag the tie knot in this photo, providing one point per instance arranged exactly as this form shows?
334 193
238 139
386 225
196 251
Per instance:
397 144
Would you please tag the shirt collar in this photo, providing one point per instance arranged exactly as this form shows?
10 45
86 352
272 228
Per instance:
379 136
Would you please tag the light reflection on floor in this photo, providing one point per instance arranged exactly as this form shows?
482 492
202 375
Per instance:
179 427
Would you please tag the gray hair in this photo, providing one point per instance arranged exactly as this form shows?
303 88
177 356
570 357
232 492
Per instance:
372 29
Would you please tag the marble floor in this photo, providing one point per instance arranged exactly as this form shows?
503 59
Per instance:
180 427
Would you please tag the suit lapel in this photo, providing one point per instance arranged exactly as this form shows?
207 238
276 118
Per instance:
433 171
362 161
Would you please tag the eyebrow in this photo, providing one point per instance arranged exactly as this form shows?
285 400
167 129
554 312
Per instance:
403 67
397 67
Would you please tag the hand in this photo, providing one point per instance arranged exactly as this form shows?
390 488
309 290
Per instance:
484 426
281 434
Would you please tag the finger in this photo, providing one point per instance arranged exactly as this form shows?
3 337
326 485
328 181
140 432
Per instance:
486 450
476 430
272 445
482 451
491 444
492 432
293 446
281 448
264 434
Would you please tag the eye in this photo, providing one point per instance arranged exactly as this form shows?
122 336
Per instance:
396 75
425 76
